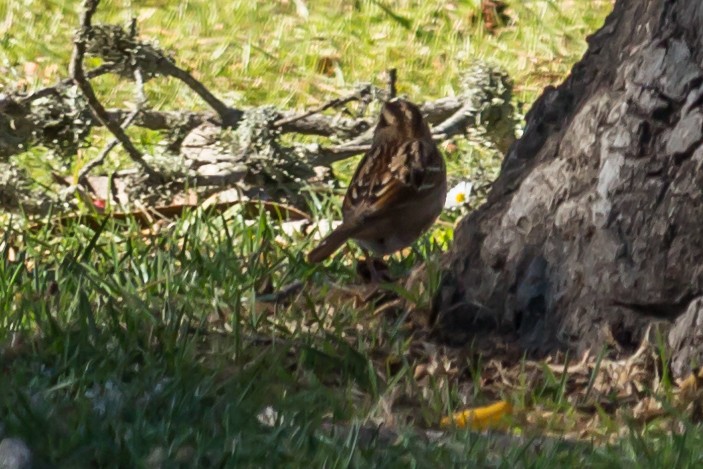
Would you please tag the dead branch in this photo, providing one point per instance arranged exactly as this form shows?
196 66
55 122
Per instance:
122 48
140 102
327 156
334 103
282 294
325 126
319 125
228 116
229 146
450 116
48 91
76 68
165 120
309 123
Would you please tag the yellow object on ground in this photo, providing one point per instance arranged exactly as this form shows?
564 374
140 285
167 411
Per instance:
479 418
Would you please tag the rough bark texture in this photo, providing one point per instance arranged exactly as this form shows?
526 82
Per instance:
594 228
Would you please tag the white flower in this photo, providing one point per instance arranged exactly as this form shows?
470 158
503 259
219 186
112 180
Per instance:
459 195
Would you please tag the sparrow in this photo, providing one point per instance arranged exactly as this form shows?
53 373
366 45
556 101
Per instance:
398 189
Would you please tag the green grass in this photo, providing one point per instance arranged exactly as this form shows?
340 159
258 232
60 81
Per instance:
263 52
126 346
121 348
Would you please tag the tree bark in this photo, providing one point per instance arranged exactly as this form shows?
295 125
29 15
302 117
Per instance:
594 228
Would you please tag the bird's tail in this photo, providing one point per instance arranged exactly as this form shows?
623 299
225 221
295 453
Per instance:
331 243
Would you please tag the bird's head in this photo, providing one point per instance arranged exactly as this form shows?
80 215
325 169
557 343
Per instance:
402 119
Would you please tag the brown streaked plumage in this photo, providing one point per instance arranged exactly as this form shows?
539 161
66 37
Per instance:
398 189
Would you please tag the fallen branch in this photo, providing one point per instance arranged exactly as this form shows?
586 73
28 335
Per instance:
327 156
48 91
319 125
282 294
228 116
76 68
334 103
232 147
140 101
309 123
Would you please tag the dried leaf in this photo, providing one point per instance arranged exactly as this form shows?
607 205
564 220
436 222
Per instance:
421 371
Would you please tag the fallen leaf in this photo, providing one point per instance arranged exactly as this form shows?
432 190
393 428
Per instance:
421 371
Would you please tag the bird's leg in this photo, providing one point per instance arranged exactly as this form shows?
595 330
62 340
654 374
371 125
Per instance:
364 268
376 276
370 263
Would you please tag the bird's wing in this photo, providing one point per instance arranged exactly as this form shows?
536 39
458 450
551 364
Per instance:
386 178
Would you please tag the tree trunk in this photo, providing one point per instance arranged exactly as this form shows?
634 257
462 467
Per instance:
594 228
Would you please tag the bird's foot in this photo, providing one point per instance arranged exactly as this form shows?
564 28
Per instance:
374 270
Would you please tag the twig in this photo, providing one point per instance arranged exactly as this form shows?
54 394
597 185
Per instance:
18 104
164 120
140 101
392 78
90 74
327 156
318 124
324 126
362 140
456 123
311 125
329 104
228 115
282 294
89 7
361 144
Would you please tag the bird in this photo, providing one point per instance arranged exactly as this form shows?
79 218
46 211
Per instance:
398 189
